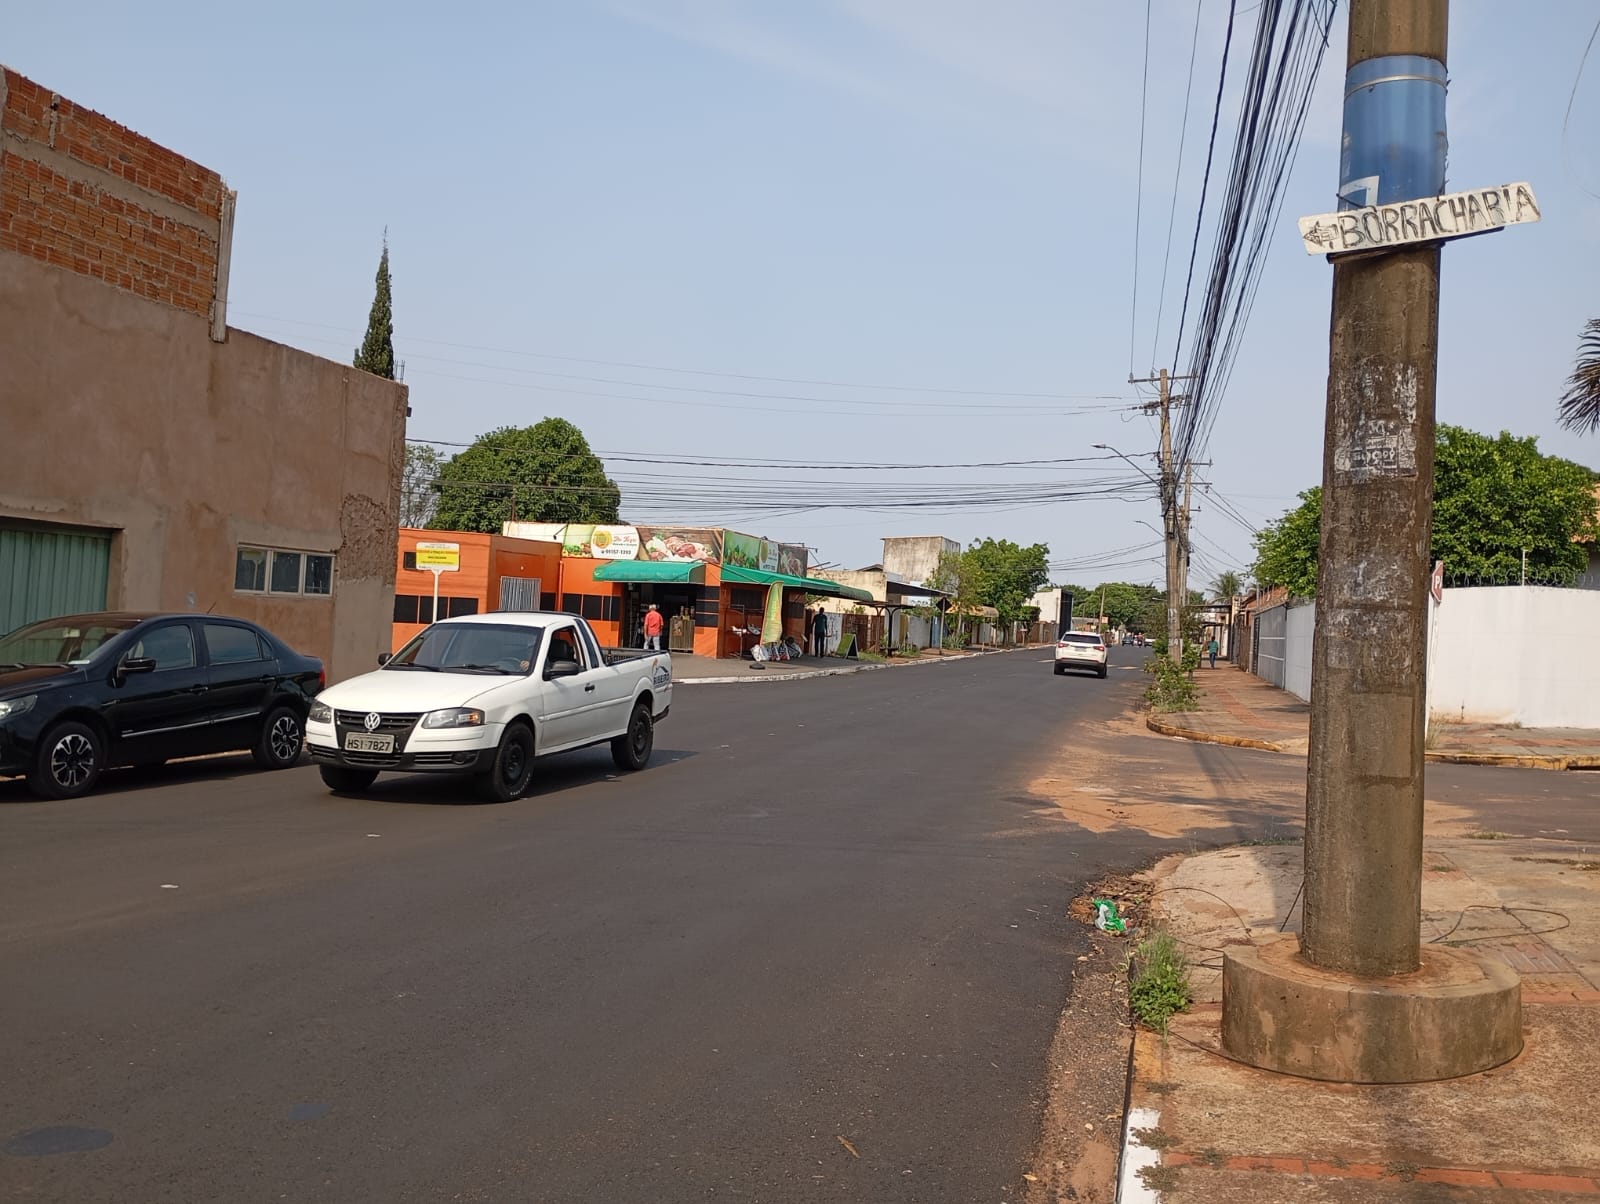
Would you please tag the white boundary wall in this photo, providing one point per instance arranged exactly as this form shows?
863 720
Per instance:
1516 654
1301 622
1528 655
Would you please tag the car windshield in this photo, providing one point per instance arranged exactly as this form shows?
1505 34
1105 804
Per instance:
60 641
470 648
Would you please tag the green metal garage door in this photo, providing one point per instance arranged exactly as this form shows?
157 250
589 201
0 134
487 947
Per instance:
48 571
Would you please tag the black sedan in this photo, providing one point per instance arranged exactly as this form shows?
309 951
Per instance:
83 693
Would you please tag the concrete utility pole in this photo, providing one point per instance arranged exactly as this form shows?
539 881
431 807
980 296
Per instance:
1355 997
1174 526
1363 889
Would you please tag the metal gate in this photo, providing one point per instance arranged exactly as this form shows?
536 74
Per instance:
1272 630
519 593
48 571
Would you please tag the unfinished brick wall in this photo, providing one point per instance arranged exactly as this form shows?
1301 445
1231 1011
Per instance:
80 192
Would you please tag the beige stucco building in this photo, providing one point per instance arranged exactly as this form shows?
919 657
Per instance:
151 457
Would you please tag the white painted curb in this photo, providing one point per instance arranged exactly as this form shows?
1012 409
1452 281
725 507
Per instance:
1135 1157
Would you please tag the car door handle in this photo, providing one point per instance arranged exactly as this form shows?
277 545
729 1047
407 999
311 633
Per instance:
589 689
198 689
266 679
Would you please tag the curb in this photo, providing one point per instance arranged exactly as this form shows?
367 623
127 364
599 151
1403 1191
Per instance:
811 674
1505 760
1518 760
1161 727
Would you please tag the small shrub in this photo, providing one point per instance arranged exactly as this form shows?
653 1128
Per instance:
1171 687
1160 986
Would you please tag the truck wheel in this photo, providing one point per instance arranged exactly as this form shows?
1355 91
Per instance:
278 746
69 761
347 781
631 750
508 777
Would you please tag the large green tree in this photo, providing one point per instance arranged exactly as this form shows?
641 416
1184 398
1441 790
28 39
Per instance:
1006 575
376 353
545 473
1494 498
1580 404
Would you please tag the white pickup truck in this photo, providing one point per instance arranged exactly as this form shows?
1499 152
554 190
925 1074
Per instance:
486 694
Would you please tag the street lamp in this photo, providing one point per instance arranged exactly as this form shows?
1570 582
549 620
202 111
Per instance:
1135 463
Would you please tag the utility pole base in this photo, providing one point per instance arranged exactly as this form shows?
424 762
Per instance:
1459 1014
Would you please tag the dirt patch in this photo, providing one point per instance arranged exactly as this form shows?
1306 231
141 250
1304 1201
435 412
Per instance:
1076 1156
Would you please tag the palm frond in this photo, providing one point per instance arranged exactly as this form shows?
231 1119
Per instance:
1580 404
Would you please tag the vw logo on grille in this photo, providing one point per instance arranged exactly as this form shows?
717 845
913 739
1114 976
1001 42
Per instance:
372 721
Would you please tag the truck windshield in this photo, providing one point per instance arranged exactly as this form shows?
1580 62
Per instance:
470 648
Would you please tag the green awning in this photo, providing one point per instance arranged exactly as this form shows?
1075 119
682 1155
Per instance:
738 575
691 571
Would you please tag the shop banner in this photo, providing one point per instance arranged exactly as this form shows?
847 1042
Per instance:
792 559
772 621
680 543
749 552
589 540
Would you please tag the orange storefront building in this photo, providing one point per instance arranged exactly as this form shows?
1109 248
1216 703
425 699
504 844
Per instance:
712 585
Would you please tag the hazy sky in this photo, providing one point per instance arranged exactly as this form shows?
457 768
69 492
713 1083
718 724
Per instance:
917 193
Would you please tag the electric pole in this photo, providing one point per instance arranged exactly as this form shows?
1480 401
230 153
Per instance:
1363 886
1356 997
1174 525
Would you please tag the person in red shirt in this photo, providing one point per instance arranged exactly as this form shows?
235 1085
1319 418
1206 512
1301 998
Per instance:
653 625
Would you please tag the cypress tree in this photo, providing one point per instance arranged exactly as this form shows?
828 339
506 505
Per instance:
376 353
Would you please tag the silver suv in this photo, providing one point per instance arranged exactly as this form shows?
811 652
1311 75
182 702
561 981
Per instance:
1081 650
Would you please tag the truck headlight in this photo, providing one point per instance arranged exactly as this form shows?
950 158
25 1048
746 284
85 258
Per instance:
320 712
12 707
454 717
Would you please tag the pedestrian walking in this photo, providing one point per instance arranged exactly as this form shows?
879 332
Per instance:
1211 648
819 633
653 625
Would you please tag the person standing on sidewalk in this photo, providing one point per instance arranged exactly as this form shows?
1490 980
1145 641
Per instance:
1211 649
653 624
819 633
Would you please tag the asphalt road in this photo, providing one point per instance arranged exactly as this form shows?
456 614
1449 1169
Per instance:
827 910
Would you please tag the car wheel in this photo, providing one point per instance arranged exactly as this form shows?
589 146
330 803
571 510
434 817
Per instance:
631 750
1059 670
70 759
1102 670
512 770
347 781
281 737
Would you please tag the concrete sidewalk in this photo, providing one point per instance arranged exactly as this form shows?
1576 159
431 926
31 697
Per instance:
1240 709
1204 1127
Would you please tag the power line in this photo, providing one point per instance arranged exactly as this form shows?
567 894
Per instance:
780 465
785 380
1138 196
1177 175
1205 178
1572 96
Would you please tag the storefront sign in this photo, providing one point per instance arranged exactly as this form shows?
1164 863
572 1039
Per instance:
792 559
587 540
749 552
680 543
